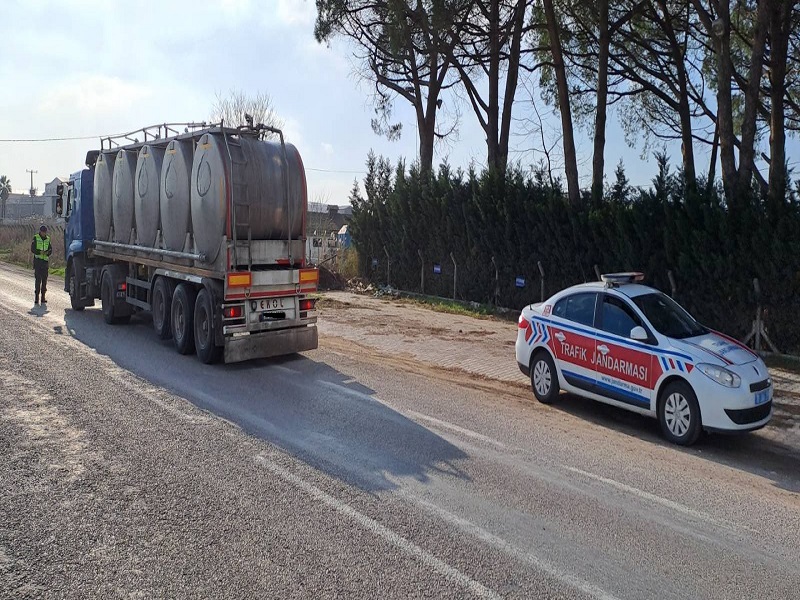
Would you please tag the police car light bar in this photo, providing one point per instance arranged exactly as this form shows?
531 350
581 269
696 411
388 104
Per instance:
614 279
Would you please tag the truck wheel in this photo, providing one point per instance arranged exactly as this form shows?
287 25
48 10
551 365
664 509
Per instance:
74 288
182 317
107 299
162 307
207 351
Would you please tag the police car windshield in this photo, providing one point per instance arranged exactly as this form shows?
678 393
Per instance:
667 317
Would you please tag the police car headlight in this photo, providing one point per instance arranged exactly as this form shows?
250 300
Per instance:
720 375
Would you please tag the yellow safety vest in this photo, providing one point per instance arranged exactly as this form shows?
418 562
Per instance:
42 246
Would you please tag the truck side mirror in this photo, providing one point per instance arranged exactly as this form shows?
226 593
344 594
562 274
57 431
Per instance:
60 199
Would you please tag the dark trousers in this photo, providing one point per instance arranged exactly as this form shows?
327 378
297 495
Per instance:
41 270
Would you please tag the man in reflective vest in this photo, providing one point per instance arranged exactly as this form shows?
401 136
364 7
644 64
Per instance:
41 249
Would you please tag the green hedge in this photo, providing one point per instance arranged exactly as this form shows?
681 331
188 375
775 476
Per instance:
520 220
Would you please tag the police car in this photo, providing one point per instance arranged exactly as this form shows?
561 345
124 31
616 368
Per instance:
629 345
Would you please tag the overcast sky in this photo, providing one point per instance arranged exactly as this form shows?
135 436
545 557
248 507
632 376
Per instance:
95 67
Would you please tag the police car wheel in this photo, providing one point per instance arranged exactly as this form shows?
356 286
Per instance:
679 414
544 380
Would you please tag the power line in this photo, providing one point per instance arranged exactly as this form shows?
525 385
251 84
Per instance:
59 139
335 171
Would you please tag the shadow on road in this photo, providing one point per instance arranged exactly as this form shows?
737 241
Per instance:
757 452
323 416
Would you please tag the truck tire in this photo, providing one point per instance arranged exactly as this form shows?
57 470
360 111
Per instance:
182 317
74 286
207 351
107 299
161 305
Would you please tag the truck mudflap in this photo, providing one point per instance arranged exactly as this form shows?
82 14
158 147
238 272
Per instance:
270 343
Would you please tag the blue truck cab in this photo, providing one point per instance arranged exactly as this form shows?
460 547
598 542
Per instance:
79 213
76 205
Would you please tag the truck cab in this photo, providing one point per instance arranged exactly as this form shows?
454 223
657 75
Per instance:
74 203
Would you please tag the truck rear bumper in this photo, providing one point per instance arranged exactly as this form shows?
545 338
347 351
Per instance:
270 343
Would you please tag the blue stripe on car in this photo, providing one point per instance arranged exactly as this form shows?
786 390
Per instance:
622 395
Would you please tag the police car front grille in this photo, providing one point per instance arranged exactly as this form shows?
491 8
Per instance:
760 385
749 415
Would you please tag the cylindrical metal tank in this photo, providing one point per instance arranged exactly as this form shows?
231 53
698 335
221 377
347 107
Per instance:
122 196
103 179
176 195
147 194
259 190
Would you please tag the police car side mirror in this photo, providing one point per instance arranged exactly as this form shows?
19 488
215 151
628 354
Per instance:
639 334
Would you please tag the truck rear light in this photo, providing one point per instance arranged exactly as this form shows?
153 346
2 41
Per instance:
233 312
307 303
122 286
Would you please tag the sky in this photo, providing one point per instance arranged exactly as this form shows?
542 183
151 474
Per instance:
87 68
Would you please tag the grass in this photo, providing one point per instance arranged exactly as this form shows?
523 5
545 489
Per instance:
785 363
473 309
15 247
453 307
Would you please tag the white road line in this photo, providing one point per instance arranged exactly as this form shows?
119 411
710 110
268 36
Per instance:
455 428
428 559
487 537
413 414
676 506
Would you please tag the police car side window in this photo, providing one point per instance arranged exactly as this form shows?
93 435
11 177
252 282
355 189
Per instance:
560 309
580 308
618 318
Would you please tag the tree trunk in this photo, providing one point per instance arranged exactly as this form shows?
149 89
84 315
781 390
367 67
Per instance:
712 167
493 110
427 136
684 111
722 44
598 161
570 158
752 93
779 29
512 77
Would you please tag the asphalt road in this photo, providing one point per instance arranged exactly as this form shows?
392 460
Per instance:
129 471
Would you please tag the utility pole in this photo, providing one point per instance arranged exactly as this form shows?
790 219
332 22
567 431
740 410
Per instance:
33 189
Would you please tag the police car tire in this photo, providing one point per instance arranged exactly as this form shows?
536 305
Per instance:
207 350
541 366
680 389
182 318
161 305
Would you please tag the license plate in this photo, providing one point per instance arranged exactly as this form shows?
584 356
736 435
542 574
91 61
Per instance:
763 396
270 303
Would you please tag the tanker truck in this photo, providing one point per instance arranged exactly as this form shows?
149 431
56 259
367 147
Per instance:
204 227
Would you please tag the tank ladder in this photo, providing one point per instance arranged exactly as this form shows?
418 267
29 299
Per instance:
239 191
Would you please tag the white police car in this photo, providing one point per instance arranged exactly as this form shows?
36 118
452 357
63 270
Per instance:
629 345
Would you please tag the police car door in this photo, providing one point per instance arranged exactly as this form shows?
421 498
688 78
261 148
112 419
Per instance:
573 339
624 367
